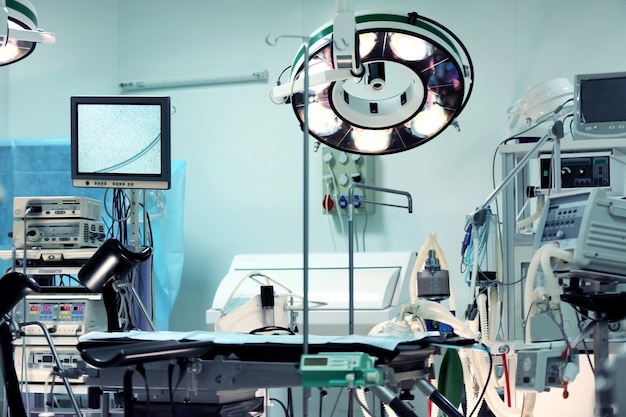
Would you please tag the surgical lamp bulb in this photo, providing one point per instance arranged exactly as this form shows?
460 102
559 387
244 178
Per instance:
429 121
322 120
409 48
371 141
367 42
9 52
14 49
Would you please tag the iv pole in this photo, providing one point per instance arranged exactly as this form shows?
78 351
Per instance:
305 204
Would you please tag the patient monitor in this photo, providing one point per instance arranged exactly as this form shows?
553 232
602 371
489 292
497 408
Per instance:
381 286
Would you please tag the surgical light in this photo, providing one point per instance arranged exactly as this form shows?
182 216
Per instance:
18 31
413 78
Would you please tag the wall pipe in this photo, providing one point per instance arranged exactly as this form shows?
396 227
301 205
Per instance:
354 185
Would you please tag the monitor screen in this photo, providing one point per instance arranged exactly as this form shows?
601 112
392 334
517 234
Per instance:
600 106
121 142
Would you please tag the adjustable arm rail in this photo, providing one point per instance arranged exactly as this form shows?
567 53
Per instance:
408 206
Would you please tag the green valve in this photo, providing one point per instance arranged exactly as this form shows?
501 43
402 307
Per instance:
339 369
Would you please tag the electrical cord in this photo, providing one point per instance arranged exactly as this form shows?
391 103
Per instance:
580 328
283 406
366 218
467 259
486 384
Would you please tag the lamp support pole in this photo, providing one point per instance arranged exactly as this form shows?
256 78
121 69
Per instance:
305 201
4 17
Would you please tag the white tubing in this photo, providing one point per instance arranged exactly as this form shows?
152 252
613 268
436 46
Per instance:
421 258
542 257
434 311
492 397
468 380
531 276
493 313
365 408
483 316
470 358
551 282
538 211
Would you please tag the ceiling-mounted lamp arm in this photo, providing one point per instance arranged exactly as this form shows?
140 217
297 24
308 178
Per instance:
4 24
30 35
346 41
281 93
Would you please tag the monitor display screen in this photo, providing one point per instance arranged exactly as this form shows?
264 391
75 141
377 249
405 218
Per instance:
600 106
121 142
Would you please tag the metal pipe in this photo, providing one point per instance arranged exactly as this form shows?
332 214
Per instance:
354 185
124 285
58 363
430 391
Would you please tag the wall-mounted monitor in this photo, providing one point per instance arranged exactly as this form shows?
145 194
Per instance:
121 142
600 106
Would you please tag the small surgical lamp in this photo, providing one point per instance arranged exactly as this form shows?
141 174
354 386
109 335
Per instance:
104 273
378 83
18 31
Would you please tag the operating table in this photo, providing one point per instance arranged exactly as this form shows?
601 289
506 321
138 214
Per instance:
217 370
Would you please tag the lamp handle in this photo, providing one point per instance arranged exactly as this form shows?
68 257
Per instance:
109 296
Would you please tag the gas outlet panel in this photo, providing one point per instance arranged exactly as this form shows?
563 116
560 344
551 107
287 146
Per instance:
339 171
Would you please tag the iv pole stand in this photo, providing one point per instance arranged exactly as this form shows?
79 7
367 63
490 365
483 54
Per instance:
305 203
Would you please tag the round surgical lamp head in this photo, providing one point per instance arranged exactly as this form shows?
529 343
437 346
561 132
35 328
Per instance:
20 35
111 261
416 79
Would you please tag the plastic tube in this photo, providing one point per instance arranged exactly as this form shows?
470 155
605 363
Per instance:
434 311
552 283
474 278
365 408
483 316
471 359
419 262
542 257
538 211
468 380
492 397
493 313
